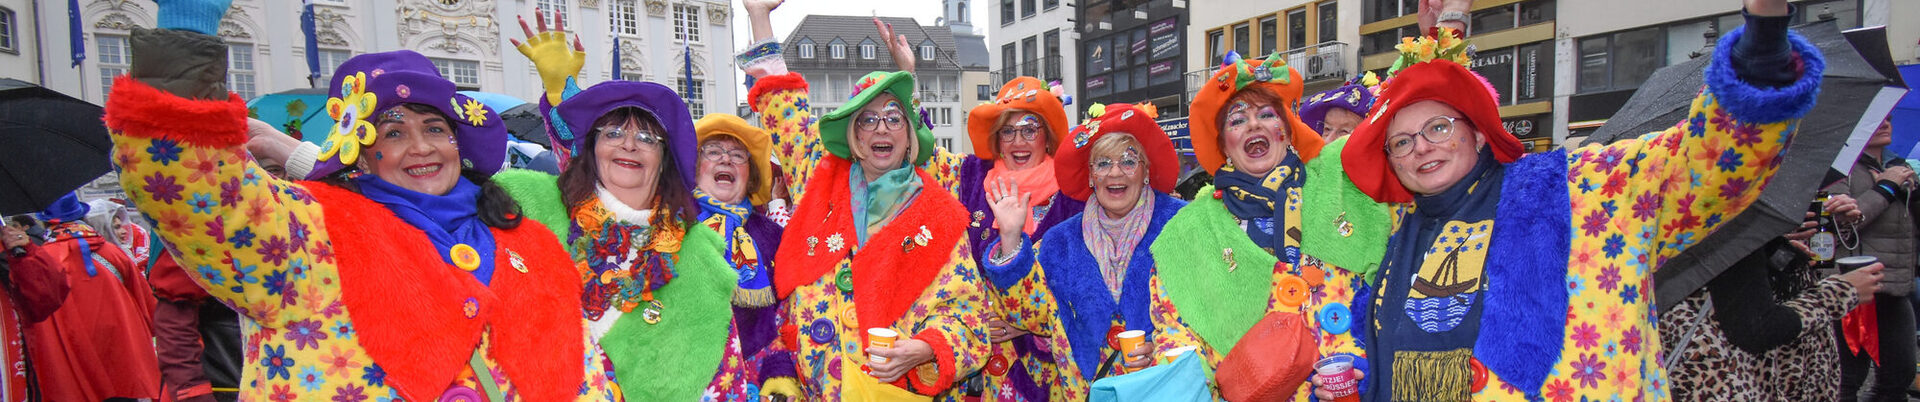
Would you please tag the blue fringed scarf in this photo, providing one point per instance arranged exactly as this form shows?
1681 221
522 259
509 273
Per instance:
450 219
755 287
1258 200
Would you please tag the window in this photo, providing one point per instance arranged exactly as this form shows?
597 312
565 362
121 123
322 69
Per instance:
1621 60
1242 38
1027 9
1052 43
111 51
695 95
1329 22
839 50
1009 58
961 16
686 22
1269 35
8 43
941 116
946 143
1216 46
1383 41
465 74
625 17
1492 20
1006 12
867 50
1594 68
1538 11
984 92
926 51
552 7
1376 10
1030 53
806 49
636 77
330 60
1049 4
240 70
1297 29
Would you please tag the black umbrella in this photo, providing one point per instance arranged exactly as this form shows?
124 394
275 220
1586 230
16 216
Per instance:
54 144
525 123
1847 88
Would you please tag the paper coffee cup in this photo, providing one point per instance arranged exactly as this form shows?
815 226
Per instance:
1130 340
1171 355
880 338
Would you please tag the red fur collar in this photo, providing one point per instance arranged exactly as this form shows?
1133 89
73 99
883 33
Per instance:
887 278
408 306
771 83
140 110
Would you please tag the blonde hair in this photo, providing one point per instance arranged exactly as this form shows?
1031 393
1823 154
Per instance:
1113 145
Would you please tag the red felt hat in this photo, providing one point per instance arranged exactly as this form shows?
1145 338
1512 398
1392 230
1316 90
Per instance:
1272 74
1442 80
1071 169
1025 94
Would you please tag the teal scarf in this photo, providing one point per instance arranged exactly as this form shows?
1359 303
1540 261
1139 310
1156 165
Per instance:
881 198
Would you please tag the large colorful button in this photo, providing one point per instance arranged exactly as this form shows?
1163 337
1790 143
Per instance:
1113 337
464 257
471 307
1335 318
997 365
1479 374
1293 290
821 331
844 280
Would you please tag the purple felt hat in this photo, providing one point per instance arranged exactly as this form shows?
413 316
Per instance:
371 83
1353 97
578 113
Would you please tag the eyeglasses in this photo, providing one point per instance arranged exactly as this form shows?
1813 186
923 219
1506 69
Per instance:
1128 163
1437 130
717 154
1009 133
617 133
871 121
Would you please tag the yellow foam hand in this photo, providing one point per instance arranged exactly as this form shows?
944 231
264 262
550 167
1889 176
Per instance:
550 54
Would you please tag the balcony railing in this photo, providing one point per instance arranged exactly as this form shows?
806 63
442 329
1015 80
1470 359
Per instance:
1325 61
928 96
1044 68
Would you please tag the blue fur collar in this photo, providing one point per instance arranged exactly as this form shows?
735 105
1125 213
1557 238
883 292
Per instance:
1086 308
1527 273
1764 104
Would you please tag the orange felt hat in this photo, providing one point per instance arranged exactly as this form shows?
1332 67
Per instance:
1070 165
1025 94
759 148
1432 73
1271 73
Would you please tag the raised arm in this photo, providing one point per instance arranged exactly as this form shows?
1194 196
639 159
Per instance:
781 99
179 144
1692 177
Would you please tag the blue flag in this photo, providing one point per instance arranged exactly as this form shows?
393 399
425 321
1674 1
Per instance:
75 38
616 59
313 43
687 51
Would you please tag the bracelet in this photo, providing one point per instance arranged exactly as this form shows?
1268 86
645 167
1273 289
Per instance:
1452 16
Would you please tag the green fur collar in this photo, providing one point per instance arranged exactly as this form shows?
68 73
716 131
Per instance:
1327 199
1219 302
675 359
538 194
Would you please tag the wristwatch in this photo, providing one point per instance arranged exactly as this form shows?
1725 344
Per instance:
1453 16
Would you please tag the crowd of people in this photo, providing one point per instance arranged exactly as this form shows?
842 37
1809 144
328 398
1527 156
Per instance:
1399 244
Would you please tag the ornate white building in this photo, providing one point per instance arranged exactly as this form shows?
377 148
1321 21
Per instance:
467 39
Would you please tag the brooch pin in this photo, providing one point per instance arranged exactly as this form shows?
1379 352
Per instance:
835 243
652 314
918 240
811 242
519 264
1341 225
977 217
1227 255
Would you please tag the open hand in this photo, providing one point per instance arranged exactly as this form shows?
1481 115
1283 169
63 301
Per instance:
762 7
896 44
1010 211
1430 11
550 54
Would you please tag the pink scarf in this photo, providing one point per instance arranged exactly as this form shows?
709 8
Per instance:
1111 240
1037 181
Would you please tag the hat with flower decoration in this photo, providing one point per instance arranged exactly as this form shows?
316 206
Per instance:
834 126
1237 75
1355 96
1430 68
578 113
1025 94
759 148
1163 163
369 84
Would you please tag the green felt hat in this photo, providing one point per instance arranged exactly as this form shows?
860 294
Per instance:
834 126
1342 225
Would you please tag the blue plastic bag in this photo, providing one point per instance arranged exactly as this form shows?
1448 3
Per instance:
1183 380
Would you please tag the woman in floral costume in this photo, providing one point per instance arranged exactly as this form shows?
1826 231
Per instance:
1513 276
872 229
403 272
1089 278
655 287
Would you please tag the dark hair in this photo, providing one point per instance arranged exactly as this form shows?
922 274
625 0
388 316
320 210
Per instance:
497 208
580 179
1251 94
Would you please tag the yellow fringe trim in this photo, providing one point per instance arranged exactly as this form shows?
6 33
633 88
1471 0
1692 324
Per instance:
1432 376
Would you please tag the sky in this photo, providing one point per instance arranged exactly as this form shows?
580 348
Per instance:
790 13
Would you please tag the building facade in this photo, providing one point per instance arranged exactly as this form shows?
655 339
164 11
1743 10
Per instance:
467 39
834 51
1515 43
1035 38
1131 51
1316 37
